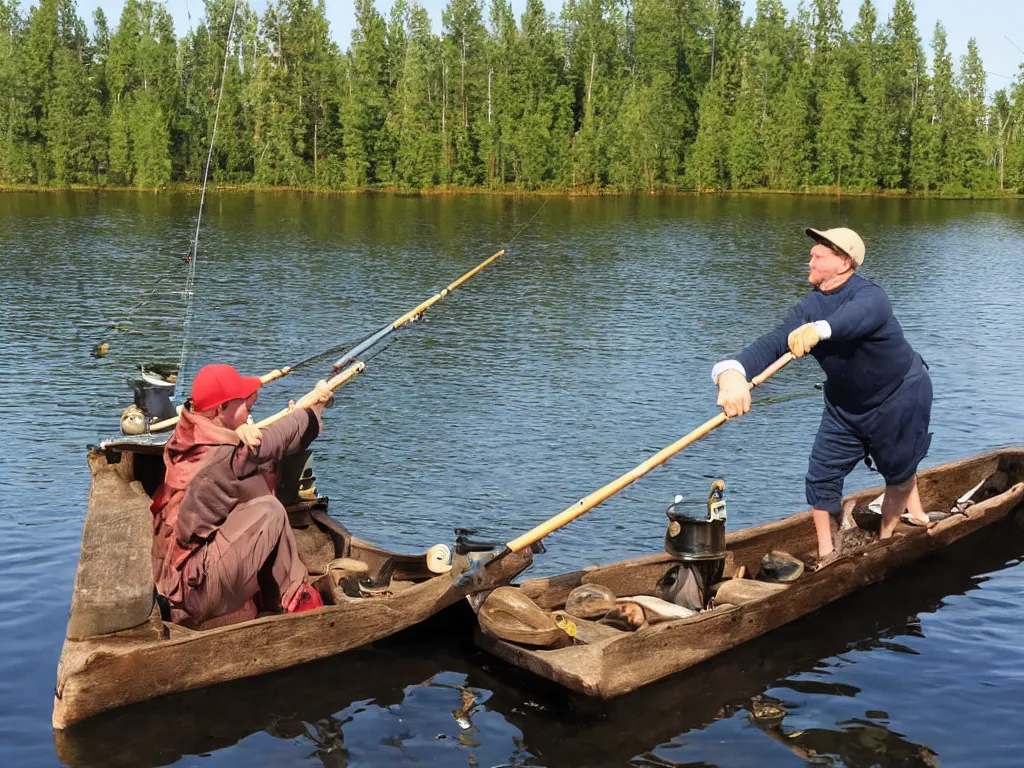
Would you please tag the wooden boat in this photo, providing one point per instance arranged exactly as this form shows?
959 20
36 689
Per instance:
606 662
118 650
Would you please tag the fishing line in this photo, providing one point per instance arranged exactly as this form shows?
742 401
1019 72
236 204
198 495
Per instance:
329 351
522 228
192 259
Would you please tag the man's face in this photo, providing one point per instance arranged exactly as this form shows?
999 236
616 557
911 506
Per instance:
825 265
236 412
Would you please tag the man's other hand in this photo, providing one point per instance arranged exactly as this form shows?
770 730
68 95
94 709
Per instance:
733 392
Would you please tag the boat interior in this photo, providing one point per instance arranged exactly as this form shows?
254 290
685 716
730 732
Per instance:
758 562
127 472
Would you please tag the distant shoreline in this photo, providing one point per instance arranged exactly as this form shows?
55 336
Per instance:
564 192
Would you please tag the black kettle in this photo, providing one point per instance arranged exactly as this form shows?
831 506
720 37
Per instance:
698 537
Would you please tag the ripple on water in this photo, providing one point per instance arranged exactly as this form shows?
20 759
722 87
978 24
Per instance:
584 350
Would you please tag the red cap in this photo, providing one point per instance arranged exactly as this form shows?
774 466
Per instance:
216 384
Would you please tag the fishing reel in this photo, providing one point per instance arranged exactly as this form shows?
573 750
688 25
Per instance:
440 558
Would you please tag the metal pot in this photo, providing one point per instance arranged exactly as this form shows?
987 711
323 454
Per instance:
691 537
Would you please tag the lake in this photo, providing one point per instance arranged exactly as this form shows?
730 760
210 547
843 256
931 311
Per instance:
584 350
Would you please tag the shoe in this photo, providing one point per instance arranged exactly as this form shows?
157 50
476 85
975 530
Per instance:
305 599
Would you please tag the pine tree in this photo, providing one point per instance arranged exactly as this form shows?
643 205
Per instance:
903 77
16 119
540 110
464 83
278 130
369 145
873 133
979 148
417 106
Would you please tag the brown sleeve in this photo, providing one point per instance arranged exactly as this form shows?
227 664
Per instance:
210 496
289 435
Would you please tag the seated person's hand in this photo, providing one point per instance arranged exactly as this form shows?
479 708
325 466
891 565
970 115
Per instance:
733 392
322 394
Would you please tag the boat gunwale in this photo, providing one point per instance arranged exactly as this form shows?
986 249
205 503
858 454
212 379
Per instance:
583 668
105 671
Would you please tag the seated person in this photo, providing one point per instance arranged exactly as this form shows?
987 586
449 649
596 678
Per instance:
220 536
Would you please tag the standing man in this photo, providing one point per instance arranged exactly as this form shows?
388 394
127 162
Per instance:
220 536
878 394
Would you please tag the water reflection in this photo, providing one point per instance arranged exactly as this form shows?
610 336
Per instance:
418 697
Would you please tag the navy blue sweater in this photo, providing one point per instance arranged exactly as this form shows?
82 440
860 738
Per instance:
867 355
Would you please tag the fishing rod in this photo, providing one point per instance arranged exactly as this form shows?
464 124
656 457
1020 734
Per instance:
347 367
419 310
412 314
350 372
192 258
474 573
365 344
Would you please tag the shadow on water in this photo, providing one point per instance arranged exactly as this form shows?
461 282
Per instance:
316 701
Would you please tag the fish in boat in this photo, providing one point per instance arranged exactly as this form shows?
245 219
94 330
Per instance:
606 662
119 649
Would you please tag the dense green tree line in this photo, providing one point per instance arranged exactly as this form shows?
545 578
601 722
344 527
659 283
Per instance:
619 94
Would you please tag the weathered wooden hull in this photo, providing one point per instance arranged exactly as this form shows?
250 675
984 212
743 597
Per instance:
146 657
612 663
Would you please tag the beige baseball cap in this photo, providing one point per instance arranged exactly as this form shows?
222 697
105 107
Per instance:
846 240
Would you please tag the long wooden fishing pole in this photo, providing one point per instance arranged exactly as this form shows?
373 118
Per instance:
370 341
413 313
587 503
333 383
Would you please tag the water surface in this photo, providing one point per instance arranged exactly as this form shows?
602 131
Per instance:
565 364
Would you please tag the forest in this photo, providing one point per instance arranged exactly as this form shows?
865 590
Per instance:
607 95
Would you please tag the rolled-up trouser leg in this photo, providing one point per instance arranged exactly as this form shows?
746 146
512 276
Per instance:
836 451
254 538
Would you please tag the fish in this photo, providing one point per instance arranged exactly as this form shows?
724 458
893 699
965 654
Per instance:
657 610
626 616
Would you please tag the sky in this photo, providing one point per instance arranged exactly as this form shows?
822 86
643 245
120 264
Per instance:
989 21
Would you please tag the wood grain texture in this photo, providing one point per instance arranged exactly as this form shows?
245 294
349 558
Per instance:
114 581
118 651
613 666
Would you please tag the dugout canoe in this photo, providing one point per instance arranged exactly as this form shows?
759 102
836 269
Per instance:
606 662
118 649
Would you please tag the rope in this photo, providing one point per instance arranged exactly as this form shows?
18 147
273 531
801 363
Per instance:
190 280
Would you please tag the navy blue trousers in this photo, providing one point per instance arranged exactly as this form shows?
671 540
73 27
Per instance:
894 435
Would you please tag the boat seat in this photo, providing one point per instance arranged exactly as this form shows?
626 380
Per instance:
114 588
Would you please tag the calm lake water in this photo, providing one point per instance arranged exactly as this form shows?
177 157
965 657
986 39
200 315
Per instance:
583 351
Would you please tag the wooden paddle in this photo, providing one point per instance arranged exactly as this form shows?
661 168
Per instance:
587 503
352 354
